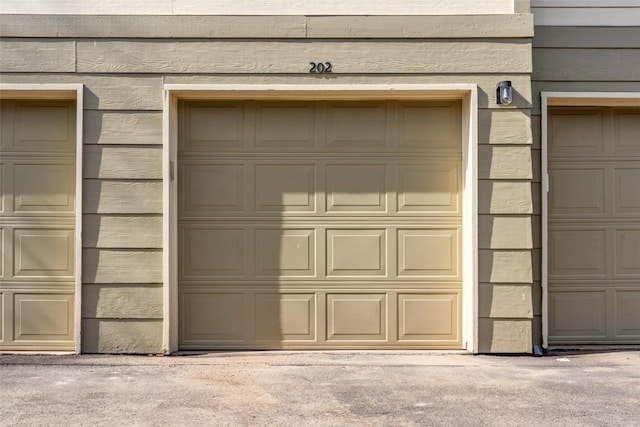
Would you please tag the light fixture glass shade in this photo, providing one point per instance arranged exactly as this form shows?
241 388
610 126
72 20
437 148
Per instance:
504 93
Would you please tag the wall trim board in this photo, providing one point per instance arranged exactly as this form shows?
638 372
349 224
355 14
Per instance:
587 16
467 93
267 26
584 3
71 91
566 99
259 7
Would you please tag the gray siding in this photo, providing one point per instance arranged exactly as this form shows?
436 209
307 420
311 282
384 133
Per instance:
576 59
123 61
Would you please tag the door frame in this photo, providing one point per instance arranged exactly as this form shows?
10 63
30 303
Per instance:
467 93
566 99
63 91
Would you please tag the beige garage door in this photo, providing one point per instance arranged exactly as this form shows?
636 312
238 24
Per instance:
37 221
594 225
319 224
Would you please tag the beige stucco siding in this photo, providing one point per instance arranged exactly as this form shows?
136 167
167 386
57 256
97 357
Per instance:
124 62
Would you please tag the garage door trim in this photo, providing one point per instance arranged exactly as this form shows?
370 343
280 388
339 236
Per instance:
71 91
467 93
566 99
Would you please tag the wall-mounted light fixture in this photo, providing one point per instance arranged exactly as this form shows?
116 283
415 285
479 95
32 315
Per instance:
504 94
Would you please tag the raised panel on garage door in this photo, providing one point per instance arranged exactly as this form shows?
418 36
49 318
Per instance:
37 225
594 226
319 224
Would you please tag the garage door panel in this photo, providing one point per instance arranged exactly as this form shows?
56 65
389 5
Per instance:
428 317
428 127
285 125
628 314
577 314
285 252
209 316
576 131
43 317
285 187
577 191
213 128
44 127
356 252
209 188
627 255
428 188
430 253
356 317
43 188
282 317
356 126
626 131
42 253
627 190
356 188
577 253
212 252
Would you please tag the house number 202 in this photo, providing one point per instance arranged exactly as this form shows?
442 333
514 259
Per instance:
320 67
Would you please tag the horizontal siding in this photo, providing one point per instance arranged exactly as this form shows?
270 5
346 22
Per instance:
135 336
505 197
122 162
165 56
505 232
587 16
277 27
106 301
121 266
587 37
504 162
584 3
586 64
149 26
505 266
505 301
456 26
504 126
122 232
122 197
505 335
52 56
122 127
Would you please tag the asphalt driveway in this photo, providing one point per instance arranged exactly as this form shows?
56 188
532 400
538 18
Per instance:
322 389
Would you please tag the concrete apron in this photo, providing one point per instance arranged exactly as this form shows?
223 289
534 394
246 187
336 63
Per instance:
322 388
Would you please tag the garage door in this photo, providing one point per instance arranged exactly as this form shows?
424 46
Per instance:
594 225
319 224
37 205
